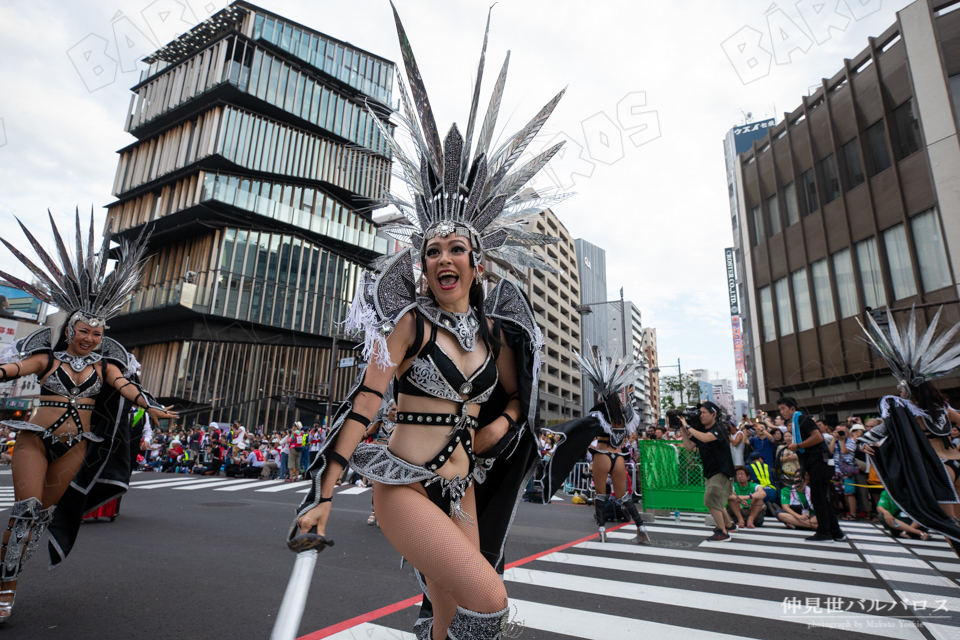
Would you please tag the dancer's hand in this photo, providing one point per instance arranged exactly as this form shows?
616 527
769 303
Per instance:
159 414
316 517
486 438
867 449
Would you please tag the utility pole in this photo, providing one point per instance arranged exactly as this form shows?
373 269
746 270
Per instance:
680 378
623 325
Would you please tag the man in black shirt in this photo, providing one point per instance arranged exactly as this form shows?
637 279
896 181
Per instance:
813 453
714 445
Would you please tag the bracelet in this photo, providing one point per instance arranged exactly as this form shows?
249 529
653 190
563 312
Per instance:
513 423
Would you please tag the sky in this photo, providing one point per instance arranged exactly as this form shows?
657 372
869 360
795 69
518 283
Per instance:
652 88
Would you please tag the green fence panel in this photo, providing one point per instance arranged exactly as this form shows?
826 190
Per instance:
671 477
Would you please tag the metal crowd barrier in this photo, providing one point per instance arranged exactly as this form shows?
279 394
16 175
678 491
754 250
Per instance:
580 480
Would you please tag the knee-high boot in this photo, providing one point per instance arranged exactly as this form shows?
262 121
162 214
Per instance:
599 502
28 522
627 503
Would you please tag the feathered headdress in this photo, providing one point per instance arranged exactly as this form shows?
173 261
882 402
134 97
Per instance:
914 359
80 284
449 193
607 378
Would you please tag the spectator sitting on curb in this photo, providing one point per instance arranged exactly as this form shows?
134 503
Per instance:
270 462
761 473
747 497
796 511
890 515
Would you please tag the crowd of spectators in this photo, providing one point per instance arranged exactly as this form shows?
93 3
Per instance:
762 459
231 450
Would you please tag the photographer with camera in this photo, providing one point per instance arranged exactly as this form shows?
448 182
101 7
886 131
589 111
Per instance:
809 446
706 434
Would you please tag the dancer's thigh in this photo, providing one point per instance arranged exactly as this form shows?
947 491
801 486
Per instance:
437 546
619 476
61 473
601 469
29 466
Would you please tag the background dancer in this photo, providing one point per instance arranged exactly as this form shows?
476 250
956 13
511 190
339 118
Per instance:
911 451
86 381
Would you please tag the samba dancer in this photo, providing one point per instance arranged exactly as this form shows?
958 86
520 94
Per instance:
911 450
609 423
87 379
448 484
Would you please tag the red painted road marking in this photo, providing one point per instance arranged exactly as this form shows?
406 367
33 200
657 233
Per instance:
415 600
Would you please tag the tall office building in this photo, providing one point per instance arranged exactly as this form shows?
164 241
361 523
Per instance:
554 297
738 140
850 205
634 336
652 417
592 265
256 158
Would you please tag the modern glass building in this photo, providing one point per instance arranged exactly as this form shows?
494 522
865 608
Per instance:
849 205
258 152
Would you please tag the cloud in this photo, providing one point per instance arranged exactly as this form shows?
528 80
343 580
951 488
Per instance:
661 212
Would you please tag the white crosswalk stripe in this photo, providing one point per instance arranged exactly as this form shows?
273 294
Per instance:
200 483
639 589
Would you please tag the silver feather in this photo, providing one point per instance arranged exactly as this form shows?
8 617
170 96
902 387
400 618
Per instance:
445 186
607 377
914 359
81 282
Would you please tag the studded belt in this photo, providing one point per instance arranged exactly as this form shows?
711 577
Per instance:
451 419
66 405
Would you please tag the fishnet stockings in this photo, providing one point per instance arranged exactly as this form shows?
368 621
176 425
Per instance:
446 551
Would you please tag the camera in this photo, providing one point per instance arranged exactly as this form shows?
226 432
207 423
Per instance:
690 414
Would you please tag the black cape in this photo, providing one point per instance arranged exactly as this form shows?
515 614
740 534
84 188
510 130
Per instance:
911 471
575 437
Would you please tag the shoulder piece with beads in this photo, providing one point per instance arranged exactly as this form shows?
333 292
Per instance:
381 299
40 340
114 352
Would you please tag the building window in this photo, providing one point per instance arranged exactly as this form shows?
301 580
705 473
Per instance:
831 178
873 293
766 312
853 171
875 148
773 211
758 232
898 257
782 291
928 242
790 201
955 93
846 285
907 130
809 186
801 300
821 288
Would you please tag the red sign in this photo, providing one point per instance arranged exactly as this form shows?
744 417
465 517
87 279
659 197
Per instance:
738 353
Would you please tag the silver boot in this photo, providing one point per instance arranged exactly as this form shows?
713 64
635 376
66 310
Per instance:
470 625
28 522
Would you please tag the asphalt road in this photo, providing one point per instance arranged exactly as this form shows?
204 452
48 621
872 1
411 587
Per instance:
206 564
187 560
